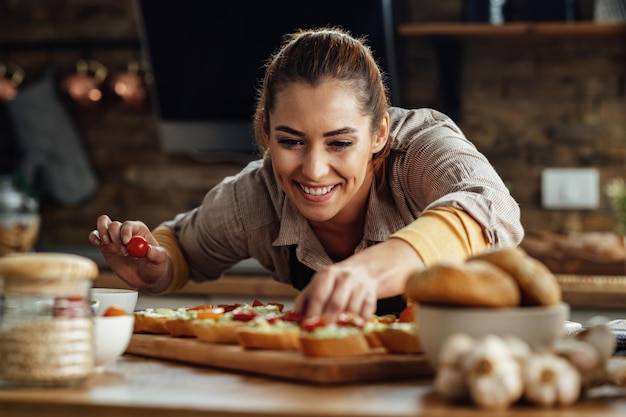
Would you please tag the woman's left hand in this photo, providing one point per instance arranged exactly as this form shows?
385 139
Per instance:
337 289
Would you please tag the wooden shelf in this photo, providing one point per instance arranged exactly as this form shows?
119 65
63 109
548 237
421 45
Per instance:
511 29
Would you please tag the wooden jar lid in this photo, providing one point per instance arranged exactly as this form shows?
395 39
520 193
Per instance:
45 272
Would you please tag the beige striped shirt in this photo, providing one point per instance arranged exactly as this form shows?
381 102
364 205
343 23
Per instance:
431 165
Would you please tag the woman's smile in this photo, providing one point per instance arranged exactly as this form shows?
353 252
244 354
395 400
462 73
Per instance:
317 194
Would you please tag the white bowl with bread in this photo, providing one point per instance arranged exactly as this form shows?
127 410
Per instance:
500 292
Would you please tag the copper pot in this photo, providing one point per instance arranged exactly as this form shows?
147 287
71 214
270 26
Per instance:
84 86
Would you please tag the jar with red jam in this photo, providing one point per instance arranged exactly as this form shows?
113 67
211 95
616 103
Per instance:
46 319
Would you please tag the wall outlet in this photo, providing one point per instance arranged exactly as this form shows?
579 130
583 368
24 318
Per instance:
570 188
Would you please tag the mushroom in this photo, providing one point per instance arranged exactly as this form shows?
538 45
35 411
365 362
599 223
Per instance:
550 380
493 375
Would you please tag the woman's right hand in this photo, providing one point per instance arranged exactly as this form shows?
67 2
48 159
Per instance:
151 272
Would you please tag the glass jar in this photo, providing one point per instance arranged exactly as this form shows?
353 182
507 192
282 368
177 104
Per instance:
46 320
19 219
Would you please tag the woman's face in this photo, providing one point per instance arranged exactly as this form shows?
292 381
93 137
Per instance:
321 148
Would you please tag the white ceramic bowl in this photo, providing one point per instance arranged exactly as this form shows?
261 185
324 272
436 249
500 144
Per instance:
107 297
112 335
538 326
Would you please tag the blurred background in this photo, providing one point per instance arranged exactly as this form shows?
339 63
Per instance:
80 128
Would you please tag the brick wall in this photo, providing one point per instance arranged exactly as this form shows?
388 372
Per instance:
526 103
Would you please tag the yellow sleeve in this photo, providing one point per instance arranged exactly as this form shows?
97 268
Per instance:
444 233
180 270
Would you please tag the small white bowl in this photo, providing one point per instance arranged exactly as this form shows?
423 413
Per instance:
112 336
107 297
538 326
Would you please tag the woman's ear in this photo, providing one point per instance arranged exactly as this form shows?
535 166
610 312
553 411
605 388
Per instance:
382 135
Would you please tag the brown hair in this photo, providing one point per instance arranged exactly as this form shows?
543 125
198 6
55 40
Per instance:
316 55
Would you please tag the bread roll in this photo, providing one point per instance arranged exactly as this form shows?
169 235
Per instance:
538 285
477 284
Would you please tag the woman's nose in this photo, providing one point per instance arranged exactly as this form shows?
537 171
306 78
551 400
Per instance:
315 164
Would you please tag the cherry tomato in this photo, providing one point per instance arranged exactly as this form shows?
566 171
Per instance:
137 247
114 311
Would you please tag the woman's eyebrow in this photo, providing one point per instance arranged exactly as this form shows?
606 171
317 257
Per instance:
291 131
341 131
287 129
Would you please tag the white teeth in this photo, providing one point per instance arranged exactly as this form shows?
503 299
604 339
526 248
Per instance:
317 191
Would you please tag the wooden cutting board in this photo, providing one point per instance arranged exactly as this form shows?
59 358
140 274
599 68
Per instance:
290 365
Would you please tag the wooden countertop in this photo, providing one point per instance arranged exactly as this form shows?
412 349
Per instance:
138 387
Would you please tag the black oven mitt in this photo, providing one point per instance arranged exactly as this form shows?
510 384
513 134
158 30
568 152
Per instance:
54 161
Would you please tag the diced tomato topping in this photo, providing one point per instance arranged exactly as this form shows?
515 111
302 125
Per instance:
257 303
408 314
244 314
346 319
202 307
313 323
279 305
292 316
114 311
229 307
213 313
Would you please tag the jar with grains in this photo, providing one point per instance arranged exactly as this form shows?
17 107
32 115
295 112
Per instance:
46 320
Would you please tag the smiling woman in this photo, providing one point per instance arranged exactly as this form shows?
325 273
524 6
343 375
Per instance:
350 197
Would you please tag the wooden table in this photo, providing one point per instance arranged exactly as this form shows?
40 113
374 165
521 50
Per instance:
137 387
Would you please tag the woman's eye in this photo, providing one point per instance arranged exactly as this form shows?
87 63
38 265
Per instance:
289 142
342 144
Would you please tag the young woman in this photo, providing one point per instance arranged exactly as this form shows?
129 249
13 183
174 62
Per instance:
350 197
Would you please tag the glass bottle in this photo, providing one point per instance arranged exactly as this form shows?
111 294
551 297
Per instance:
19 219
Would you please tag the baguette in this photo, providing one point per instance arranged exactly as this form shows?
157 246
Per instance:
271 331
538 285
274 336
223 329
354 344
344 338
152 320
400 338
478 283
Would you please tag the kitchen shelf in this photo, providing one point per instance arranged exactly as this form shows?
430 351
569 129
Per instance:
467 30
